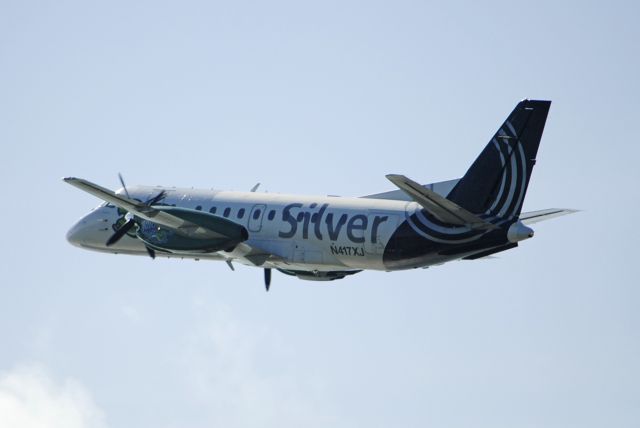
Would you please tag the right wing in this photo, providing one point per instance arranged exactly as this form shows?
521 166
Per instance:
542 215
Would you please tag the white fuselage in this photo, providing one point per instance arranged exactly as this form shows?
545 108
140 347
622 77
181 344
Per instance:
303 232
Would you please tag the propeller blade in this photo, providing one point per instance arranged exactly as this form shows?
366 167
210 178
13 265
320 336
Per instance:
157 198
126 192
120 232
267 278
151 252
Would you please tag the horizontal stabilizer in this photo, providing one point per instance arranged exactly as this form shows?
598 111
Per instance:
439 206
442 188
542 215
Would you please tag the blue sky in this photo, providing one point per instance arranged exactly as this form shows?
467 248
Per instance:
317 98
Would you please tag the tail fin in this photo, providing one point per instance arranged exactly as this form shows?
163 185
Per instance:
497 181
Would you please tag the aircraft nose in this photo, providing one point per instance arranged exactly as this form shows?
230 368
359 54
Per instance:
91 231
76 234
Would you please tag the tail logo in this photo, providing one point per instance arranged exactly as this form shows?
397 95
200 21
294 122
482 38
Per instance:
506 203
508 200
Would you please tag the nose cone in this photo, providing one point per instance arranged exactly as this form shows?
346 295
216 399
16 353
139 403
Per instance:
77 234
92 231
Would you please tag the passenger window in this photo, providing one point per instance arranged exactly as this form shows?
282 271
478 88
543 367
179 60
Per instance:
213 210
272 214
199 208
256 214
241 213
227 211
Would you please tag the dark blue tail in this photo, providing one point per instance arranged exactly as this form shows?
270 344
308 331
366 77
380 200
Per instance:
496 183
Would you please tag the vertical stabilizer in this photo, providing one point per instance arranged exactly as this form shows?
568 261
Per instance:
497 181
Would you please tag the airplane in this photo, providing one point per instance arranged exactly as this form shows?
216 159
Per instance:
326 238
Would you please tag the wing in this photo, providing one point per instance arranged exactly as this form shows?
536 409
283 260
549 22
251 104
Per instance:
254 254
161 216
542 215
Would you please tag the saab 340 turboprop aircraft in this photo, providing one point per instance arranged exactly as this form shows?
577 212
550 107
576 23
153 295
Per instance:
326 238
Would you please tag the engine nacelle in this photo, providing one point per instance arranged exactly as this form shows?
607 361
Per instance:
172 240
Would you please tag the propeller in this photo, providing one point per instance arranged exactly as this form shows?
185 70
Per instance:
267 278
126 192
122 230
157 198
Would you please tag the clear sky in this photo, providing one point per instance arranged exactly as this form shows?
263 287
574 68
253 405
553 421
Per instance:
319 98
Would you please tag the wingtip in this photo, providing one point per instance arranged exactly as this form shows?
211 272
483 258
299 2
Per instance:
392 177
568 210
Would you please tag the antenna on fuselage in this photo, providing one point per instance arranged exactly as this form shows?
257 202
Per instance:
267 278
